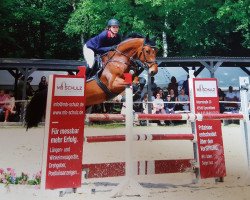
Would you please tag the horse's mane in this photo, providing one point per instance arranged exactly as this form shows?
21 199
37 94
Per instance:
133 35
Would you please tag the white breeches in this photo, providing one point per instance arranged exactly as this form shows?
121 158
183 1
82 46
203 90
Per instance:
89 56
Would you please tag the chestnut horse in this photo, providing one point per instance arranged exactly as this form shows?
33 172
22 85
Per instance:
110 81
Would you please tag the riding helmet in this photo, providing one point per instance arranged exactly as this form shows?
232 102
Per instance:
113 22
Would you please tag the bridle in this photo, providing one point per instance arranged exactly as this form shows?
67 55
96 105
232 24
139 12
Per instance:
135 62
147 64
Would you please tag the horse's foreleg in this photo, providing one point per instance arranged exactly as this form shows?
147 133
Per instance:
119 85
111 81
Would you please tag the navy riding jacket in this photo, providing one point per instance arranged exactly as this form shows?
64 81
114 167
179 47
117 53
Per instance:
102 43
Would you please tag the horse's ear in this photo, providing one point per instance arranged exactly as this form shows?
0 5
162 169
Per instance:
147 38
154 38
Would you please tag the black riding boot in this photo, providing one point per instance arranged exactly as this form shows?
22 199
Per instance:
89 72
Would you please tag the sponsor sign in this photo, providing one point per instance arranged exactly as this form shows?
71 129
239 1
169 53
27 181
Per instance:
64 134
209 134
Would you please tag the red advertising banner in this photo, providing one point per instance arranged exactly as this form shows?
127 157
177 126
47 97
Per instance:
64 132
209 134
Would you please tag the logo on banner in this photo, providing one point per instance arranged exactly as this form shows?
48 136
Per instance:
69 87
206 88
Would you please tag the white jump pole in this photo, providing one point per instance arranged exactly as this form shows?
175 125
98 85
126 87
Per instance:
129 172
129 181
195 147
245 123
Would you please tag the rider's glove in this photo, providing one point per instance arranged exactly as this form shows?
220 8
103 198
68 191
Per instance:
112 48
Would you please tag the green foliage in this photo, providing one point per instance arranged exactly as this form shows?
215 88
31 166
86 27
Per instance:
52 29
35 29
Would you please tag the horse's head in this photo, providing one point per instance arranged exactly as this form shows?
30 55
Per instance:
135 47
147 55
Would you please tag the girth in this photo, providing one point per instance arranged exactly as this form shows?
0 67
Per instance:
109 94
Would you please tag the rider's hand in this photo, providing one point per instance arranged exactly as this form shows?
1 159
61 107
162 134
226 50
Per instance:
112 48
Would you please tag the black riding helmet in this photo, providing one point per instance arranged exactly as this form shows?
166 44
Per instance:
113 22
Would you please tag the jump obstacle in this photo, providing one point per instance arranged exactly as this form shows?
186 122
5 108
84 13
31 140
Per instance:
160 166
128 169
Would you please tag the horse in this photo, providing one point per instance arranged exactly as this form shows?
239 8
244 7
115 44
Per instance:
132 53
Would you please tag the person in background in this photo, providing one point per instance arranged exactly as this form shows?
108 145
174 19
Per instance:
221 95
169 107
173 85
231 96
106 41
162 94
182 97
9 106
153 84
145 105
43 84
19 91
158 106
29 90
173 97
185 86
3 98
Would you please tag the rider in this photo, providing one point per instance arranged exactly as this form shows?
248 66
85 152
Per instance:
102 43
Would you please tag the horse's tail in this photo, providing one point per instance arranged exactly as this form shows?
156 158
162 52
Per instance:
36 109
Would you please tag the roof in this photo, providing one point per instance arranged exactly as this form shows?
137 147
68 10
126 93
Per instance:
40 64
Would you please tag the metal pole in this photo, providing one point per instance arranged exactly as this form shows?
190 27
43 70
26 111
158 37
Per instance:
245 123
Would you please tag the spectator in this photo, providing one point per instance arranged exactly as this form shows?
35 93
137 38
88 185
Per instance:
142 83
3 98
170 98
9 106
231 96
173 85
169 107
29 89
43 84
182 97
19 91
221 95
162 94
185 86
20 85
173 97
153 84
145 103
158 106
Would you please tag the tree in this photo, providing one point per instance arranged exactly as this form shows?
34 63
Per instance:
58 29
35 29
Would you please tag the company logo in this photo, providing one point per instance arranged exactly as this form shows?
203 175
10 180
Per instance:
69 87
206 88
203 88
64 86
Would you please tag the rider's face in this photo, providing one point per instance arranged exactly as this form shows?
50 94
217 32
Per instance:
114 29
